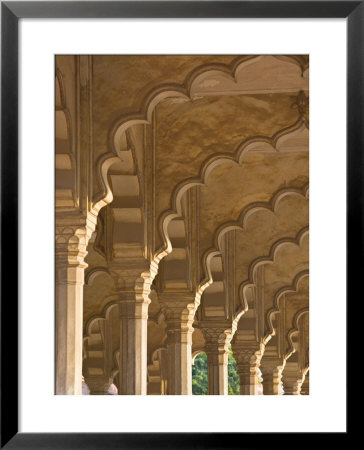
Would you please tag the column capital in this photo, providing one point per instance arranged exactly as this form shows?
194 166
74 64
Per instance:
179 309
132 282
248 353
72 235
130 273
217 336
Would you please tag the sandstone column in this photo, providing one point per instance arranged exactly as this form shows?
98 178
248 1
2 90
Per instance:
248 360
217 341
133 289
72 236
272 376
179 315
292 379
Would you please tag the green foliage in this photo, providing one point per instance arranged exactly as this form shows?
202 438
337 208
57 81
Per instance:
234 379
199 375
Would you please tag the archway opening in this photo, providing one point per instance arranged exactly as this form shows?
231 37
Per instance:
200 375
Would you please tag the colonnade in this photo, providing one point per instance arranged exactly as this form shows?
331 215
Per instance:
181 222
172 375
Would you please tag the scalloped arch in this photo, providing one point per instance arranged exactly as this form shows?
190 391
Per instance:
144 116
206 169
92 274
241 223
295 330
248 212
293 288
112 303
168 90
268 260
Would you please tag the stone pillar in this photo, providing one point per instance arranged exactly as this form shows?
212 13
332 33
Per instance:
134 300
248 360
292 379
217 341
71 243
272 376
179 317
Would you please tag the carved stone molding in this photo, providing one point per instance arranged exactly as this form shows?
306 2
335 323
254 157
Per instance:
72 233
217 339
272 369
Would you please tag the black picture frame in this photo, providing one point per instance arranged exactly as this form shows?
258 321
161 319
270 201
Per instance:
11 12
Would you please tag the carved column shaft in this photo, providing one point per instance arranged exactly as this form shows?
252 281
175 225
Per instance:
71 242
179 346
217 362
292 379
133 287
272 378
133 346
69 313
248 378
247 361
179 320
216 347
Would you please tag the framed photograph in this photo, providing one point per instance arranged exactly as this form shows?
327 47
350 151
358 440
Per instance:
173 174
